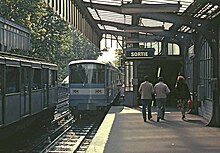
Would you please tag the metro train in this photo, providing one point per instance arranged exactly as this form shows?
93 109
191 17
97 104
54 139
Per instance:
93 85
28 93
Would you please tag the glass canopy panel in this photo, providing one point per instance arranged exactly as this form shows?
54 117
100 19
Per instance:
109 2
110 16
184 3
109 28
154 23
104 15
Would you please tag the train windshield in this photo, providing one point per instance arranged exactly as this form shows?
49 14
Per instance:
87 73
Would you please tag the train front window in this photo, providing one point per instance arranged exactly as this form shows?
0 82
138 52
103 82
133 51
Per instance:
87 73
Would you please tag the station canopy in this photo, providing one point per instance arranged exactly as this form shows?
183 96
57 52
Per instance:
155 19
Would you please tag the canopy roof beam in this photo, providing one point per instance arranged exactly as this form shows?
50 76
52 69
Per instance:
135 8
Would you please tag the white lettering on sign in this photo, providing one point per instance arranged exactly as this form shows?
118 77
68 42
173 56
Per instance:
139 54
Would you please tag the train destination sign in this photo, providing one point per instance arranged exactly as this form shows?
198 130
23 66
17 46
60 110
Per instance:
139 53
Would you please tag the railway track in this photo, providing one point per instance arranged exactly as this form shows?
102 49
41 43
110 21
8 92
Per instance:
62 117
65 134
77 137
70 136
41 139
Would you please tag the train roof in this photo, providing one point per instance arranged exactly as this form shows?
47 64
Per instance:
6 57
13 55
94 62
87 61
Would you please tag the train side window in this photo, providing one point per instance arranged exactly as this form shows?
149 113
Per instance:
36 79
101 75
12 79
98 75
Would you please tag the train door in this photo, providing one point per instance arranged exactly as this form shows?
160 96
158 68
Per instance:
37 88
45 80
1 94
25 90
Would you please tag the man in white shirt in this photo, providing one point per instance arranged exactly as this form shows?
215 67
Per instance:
161 92
146 91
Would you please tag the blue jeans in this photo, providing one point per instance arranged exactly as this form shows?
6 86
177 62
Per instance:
146 103
161 102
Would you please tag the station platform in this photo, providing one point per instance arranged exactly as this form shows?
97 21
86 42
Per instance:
124 131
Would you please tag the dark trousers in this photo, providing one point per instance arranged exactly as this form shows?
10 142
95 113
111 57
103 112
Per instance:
146 103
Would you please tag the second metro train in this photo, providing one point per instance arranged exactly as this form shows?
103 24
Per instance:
93 85
28 94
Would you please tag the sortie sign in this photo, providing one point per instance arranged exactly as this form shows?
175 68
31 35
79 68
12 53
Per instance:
139 53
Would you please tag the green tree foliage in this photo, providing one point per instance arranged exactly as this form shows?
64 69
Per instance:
118 57
52 38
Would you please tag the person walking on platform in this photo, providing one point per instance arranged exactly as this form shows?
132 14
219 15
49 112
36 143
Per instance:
161 91
146 91
182 94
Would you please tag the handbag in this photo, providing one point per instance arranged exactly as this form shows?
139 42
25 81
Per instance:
190 104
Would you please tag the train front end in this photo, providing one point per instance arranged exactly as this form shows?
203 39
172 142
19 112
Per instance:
87 87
